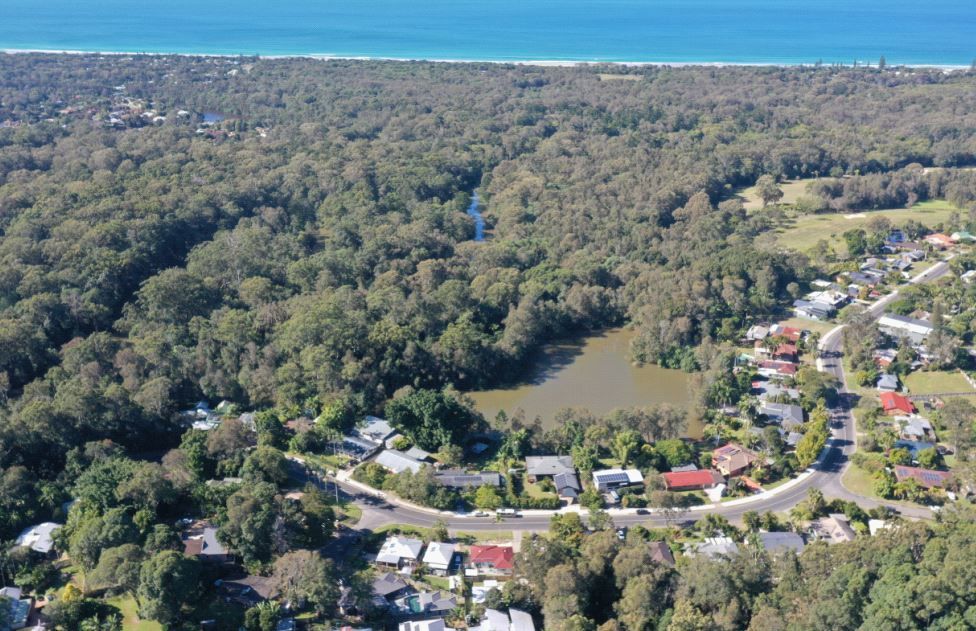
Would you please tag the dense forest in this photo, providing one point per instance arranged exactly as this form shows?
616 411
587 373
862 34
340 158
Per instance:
310 244
912 576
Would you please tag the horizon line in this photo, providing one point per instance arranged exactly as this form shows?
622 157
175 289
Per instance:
522 62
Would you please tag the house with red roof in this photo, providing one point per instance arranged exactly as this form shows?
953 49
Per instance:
939 240
785 352
490 561
692 480
927 478
772 369
791 333
895 404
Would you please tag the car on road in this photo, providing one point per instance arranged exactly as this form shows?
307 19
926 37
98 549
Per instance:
507 512
481 513
643 511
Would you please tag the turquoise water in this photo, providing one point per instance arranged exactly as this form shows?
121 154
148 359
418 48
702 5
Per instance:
737 31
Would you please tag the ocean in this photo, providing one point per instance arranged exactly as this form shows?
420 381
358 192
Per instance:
934 32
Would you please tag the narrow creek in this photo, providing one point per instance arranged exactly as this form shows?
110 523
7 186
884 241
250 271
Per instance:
479 221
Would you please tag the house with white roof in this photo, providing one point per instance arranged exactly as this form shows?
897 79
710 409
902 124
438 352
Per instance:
905 327
39 538
437 624
400 552
834 528
514 620
712 547
397 461
439 557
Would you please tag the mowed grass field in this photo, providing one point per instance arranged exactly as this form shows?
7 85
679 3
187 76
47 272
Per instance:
803 233
130 618
792 189
936 381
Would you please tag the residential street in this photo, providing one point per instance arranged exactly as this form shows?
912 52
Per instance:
379 509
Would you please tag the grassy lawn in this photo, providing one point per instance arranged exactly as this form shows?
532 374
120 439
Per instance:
130 617
459 535
809 325
438 582
936 381
792 189
348 513
802 233
534 490
326 461
858 481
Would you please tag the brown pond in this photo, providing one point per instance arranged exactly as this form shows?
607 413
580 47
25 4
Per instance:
595 372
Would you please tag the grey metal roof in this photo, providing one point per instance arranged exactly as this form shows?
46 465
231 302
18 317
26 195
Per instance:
397 461
549 465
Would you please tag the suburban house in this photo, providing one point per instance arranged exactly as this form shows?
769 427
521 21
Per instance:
895 404
400 552
692 480
771 390
779 542
834 528
538 467
38 538
560 469
440 557
18 609
247 591
514 620
200 541
884 357
712 547
436 624
773 369
732 459
757 332
610 479
418 454
887 382
791 333
900 326
915 428
397 461
567 486
490 561
661 553
786 414
812 310
939 240
785 352
389 586
458 479
375 430
927 478
438 603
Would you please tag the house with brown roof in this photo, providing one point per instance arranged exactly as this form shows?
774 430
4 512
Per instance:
661 553
732 459
927 478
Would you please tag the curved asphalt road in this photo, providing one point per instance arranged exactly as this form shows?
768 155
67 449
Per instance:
379 509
